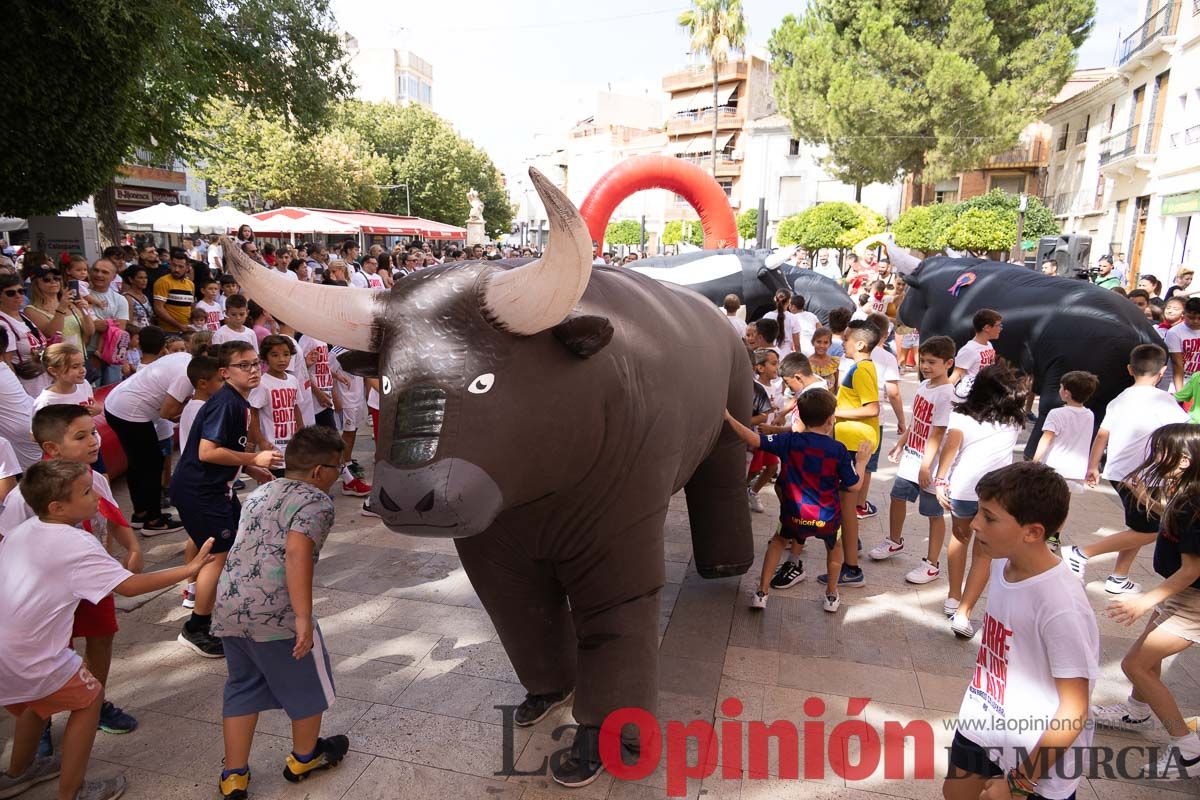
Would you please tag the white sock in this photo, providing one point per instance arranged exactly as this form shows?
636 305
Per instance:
1138 707
191 587
793 558
347 476
1189 745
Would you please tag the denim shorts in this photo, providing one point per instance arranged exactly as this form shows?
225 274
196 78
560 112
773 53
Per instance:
963 509
265 676
927 503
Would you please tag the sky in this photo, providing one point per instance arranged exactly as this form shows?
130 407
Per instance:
506 72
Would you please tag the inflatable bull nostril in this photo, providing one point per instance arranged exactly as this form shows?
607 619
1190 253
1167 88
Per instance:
425 503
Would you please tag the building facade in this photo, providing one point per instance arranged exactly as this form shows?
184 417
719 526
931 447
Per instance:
1136 134
387 75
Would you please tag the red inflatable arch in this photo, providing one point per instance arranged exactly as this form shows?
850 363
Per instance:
661 172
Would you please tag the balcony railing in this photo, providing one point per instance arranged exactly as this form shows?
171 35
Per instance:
705 160
724 112
1188 137
1139 138
1031 152
1066 203
1160 23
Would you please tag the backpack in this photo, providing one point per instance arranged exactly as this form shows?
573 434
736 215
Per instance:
113 346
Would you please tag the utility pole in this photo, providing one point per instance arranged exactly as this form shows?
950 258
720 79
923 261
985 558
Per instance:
1022 204
642 237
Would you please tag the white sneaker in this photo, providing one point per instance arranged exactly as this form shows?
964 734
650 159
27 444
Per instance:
1124 717
886 549
755 504
1076 560
758 600
949 606
1175 765
962 626
832 603
926 572
1115 585
40 771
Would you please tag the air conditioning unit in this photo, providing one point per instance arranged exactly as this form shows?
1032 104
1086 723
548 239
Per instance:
737 155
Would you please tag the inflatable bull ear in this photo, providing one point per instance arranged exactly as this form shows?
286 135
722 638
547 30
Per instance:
539 295
349 316
903 260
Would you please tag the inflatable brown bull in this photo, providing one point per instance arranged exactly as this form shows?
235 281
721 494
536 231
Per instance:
542 415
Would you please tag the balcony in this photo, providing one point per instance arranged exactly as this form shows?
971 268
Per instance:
1073 203
701 120
1188 137
1028 154
1133 148
699 76
1151 35
727 165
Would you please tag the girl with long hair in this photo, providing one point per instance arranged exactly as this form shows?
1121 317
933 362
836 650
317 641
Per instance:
1166 483
787 338
65 366
980 437
58 314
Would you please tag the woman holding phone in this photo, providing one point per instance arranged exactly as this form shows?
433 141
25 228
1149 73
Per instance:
60 315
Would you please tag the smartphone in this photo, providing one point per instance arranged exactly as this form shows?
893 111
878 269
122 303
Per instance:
74 287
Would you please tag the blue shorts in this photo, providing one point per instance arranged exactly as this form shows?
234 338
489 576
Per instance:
873 463
265 676
927 504
208 517
166 446
963 509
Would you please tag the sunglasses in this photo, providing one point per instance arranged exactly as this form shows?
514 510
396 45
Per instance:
13 292
51 278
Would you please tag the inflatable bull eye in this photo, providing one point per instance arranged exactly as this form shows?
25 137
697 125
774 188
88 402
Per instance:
386 384
482 384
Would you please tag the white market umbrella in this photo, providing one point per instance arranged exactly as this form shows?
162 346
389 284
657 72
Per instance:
228 218
310 222
166 218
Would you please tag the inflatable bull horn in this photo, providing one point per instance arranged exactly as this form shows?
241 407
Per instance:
903 260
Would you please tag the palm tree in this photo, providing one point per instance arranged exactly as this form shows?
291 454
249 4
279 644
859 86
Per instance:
716 28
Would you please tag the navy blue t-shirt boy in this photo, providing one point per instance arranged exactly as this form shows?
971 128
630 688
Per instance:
203 492
814 469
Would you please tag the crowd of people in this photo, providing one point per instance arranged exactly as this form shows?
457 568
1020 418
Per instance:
817 433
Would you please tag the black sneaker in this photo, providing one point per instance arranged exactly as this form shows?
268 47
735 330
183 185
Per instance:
582 765
114 720
356 469
537 706
202 643
788 575
329 753
164 524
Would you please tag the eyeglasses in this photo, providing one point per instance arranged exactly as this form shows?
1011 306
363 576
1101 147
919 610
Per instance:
13 292
247 366
51 278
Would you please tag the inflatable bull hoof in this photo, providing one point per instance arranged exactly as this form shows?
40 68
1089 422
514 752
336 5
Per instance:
542 415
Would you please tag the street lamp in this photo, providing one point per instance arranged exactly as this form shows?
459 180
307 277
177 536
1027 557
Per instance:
407 200
1022 205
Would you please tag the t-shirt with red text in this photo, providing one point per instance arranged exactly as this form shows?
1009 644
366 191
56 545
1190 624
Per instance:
972 357
322 376
1184 340
215 314
276 400
931 408
1035 631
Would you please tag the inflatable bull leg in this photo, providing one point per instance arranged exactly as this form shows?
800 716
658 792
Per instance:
716 495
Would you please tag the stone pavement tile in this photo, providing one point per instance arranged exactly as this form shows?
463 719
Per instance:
387 779
163 743
684 708
748 693
943 692
339 718
922 761
689 676
435 740
694 638
675 571
467 625
461 696
757 628
180 693
378 536
537 756
1121 790
376 642
482 660
788 789
720 786
847 678
679 550
1140 752
751 664
441 579
141 784
935 649
267 758
374 570
862 634
372 681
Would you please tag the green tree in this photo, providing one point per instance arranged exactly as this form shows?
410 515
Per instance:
838 225
921 88
715 28
677 231
924 227
437 164
790 230
626 232
119 75
982 230
1039 220
747 223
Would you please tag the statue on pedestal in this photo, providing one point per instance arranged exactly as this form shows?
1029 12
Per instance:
476 214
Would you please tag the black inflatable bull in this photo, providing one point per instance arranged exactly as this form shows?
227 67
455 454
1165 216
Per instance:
1051 325
749 274
543 415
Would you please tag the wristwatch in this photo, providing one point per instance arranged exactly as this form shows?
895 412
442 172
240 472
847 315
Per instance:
1019 785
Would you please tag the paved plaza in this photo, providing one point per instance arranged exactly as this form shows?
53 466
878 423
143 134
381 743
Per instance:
418 669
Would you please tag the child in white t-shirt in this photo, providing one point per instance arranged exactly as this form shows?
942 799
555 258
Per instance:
64 363
1067 433
980 437
977 353
1039 655
234 329
764 466
350 402
1183 343
917 456
214 312
275 403
48 566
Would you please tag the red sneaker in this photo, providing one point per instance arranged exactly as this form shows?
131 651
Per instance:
356 488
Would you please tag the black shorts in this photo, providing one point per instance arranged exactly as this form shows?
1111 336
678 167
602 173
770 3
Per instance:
210 518
1136 518
796 533
968 757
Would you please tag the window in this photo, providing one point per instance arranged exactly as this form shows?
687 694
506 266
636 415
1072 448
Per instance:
1062 138
793 147
791 195
946 196
727 187
1082 134
1009 184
